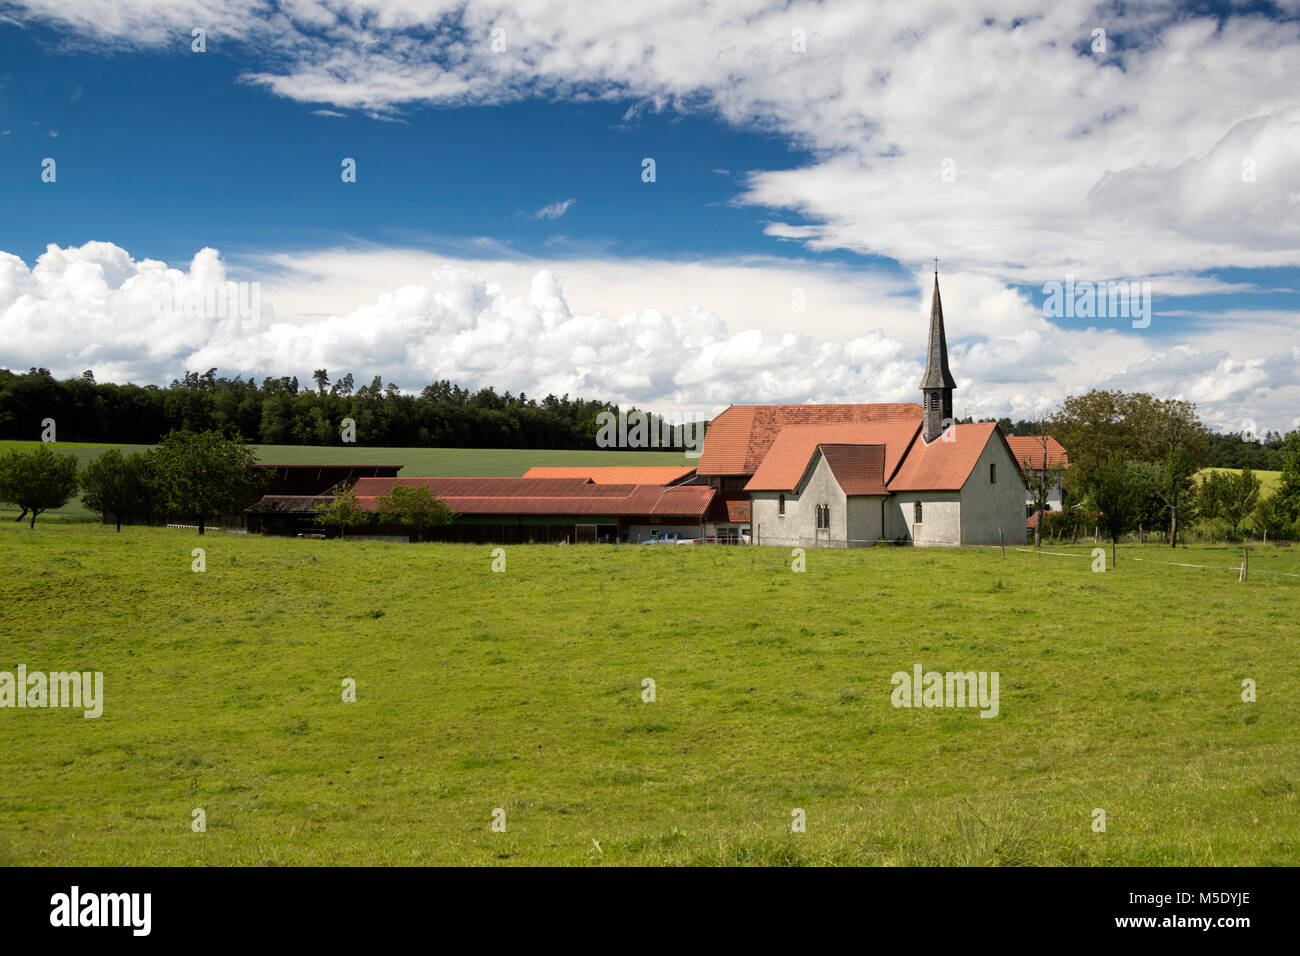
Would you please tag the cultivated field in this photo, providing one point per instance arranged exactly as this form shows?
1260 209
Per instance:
522 690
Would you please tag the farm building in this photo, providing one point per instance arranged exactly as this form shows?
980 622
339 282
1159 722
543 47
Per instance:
516 510
789 475
1037 454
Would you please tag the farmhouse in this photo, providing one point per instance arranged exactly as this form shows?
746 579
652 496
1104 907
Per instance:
1040 455
788 475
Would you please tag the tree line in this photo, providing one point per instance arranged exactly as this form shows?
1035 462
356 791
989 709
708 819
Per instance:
282 411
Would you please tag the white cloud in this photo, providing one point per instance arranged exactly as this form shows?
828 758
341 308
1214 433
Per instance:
555 210
993 136
698 338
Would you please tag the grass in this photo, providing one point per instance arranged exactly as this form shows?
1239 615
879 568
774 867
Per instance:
523 691
444 462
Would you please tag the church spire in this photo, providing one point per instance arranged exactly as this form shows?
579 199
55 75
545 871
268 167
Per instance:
937 383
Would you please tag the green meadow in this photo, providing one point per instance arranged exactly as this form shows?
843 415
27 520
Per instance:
522 691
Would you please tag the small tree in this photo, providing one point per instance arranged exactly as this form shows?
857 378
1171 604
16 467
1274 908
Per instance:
1118 491
343 512
414 508
1270 518
122 485
37 481
204 474
1240 494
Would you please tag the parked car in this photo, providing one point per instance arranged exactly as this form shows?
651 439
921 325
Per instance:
669 537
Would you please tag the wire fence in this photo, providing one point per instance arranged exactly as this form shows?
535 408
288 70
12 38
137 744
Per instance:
1172 564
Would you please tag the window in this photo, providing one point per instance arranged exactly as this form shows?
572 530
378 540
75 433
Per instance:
819 517
826 517
916 512
780 505
993 473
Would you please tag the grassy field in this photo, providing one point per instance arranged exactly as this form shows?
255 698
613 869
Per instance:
522 691
444 462
1268 480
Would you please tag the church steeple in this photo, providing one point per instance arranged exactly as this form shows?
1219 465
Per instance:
937 383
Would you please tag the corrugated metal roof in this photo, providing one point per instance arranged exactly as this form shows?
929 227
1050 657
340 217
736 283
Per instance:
548 496
738 440
288 504
474 487
788 458
615 474
944 465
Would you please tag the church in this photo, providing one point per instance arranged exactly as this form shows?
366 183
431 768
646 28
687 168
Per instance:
837 476
852 475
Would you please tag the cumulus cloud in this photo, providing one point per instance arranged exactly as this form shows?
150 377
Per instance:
996 135
95 306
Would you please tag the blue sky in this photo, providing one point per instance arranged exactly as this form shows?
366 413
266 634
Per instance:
810 160
264 171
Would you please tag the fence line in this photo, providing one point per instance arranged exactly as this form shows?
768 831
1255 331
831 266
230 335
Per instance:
1172 564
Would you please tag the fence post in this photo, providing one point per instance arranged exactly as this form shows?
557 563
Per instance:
1003 542
1245 564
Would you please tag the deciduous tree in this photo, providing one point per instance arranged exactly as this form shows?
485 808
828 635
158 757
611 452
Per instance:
37 480
204 474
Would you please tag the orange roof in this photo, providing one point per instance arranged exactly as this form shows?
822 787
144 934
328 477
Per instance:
858 469
615 474
738 439
944 465
789 455
548 496
1030 447
730 506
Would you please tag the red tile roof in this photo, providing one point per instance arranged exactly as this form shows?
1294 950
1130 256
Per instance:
944 465
730 507
858 469
738 439
789 455
1031 447
549 496
615 474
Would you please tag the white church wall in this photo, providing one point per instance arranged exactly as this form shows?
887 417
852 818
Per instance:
798 527
940 518
988 506
864 520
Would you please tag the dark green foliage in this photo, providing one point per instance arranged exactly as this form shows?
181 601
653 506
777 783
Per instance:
38 480
121 485
281 412
204 474
414 508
